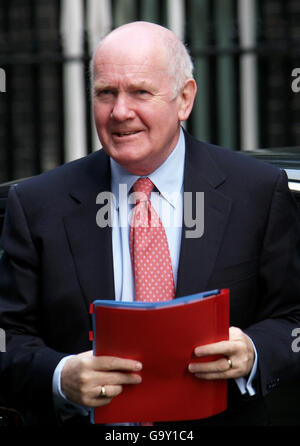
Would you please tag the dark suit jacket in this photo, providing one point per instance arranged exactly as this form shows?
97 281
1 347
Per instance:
57 261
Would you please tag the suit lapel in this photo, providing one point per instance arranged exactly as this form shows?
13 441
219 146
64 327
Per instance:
91 246
198 255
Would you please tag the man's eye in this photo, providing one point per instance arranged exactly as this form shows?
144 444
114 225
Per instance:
142 92
106 92
103 93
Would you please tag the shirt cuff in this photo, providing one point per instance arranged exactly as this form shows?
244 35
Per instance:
247 385
62 405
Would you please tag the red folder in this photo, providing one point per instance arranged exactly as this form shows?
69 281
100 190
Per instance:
163 339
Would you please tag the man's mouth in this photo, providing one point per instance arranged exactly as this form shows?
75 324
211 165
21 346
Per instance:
122 134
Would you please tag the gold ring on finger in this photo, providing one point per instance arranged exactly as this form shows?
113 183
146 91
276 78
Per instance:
102 393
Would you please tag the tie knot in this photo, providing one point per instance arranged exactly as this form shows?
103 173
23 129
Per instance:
143 186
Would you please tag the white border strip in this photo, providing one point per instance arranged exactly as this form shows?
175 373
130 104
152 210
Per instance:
176 17
248 71
73 77
99 23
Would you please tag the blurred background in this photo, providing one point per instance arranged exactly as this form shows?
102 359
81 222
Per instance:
244 53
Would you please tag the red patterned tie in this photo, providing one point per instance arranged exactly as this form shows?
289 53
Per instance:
149 250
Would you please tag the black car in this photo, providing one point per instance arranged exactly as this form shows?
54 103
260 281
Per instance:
284 403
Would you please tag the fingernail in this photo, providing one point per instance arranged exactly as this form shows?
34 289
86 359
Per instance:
138 366
198 351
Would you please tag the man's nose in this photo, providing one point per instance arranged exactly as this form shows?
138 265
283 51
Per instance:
122 109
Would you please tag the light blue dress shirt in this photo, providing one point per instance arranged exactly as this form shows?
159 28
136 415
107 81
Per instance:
168 203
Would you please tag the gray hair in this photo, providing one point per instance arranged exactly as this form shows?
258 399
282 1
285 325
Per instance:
181 66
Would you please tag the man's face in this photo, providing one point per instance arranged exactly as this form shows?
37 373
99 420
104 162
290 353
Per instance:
136 115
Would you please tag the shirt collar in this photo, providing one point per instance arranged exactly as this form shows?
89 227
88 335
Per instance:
167 178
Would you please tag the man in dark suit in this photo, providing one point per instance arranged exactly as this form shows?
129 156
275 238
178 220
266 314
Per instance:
57 260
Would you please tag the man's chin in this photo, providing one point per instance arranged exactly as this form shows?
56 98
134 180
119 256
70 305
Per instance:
133 165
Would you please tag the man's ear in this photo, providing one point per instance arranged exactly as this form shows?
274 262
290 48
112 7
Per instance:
186 99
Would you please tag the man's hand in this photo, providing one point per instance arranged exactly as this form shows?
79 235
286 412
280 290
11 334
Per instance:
238 349
84 375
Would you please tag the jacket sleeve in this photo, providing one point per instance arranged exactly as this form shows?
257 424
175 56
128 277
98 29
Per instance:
28 364
278 306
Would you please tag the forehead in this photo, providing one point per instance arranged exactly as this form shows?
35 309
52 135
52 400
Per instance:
128 56
127 72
